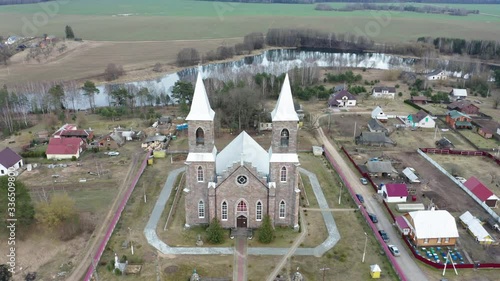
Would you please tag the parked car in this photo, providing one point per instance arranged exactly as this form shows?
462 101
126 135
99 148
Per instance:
360 198
460 179
113 153
363 181
373 217
384 235
394 250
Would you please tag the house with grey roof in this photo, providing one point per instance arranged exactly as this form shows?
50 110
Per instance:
380 168
374 139
458 94
375 126
9 161
421 119
437 74
342 99
384 92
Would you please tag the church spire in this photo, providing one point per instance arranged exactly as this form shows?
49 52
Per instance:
200 106
285 110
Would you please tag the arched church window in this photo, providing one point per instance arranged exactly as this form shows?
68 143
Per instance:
285 136
258 211
200 174
242 206
200 137
224 211
282 209
201 209
283 174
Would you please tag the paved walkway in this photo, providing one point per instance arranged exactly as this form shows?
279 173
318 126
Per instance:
240 259
155 241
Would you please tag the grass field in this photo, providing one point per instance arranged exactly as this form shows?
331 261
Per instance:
185 19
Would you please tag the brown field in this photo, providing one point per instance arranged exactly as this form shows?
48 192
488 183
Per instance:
89 59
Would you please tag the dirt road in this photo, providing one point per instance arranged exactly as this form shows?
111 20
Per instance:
405 261
79 272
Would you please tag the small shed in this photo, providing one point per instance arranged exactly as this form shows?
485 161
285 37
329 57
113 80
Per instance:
375 271
402 225
475 228
409 173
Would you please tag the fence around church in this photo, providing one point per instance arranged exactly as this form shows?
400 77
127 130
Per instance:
116 217
399 271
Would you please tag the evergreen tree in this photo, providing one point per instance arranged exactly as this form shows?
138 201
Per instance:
25 212
90 90
215 232
266 231
5 274
69 32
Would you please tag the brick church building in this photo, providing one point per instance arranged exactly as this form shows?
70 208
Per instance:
242 183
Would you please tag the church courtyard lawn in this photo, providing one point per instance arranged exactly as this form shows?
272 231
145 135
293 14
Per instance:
343 261
180 267
131 225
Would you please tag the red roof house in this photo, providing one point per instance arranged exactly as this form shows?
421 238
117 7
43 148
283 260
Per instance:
65 127
64 148
394 192
402 225
83 134
483 193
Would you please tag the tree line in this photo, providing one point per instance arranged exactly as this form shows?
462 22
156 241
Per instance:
483 49
399 7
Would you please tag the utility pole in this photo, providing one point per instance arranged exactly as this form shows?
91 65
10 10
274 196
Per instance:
355 123
340 192
130 239
324 269
364 251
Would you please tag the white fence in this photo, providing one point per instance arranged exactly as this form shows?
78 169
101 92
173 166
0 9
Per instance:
482 204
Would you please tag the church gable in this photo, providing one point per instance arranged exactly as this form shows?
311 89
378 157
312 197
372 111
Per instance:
242 180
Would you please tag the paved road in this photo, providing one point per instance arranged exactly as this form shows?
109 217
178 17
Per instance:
155 241
405 261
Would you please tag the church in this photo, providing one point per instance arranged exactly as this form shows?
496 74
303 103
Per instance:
243 182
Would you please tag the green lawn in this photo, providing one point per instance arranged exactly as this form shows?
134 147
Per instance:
186 19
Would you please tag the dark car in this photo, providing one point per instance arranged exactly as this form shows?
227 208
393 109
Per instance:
384 235
373 217
360 198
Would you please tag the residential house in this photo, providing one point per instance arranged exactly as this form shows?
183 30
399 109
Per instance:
458 94
475 227
65 127
342 99
464 106
375 126
379 114
444 143
394 192
420 99
437 75
111 141
64 148
374 139
87 136
154 140
421 119
483 193
486 128
380 168
432 228
458 120
11 40
384 92
9 160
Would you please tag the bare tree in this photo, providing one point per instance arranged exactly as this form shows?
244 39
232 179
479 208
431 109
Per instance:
73 93
113 72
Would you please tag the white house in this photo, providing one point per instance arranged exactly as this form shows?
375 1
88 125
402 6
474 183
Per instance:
394 192
458 94
379 114
342 99
437 75
9 159
421 119
384 92
11 40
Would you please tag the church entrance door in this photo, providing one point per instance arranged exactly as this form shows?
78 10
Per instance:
241 221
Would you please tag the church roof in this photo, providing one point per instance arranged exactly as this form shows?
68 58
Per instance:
285 110
202 156
200 106
243 148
